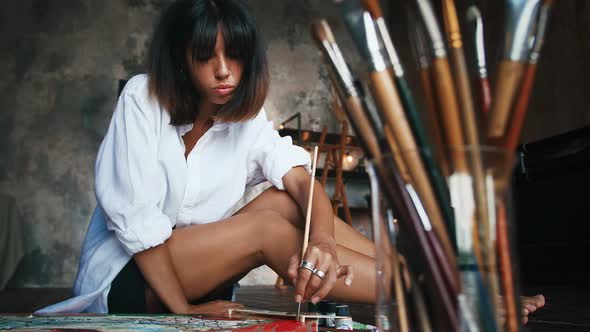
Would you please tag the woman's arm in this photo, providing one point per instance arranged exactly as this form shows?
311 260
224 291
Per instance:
297 184
156 266
321 250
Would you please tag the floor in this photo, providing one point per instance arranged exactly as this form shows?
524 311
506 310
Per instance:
567 309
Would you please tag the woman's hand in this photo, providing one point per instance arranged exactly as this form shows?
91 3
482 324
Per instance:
320 257
214 308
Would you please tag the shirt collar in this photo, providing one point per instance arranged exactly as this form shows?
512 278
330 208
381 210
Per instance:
217 126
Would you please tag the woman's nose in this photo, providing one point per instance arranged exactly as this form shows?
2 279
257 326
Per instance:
222 69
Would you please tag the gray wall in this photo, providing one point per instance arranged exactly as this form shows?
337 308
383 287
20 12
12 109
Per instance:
61 61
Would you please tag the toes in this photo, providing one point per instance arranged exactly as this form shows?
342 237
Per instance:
540 299
530 307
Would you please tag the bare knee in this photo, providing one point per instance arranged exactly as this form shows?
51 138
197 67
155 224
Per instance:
281 202
274 230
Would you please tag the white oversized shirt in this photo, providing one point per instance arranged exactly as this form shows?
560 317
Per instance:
145 186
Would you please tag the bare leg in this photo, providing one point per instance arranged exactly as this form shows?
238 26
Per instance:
282 203
205 256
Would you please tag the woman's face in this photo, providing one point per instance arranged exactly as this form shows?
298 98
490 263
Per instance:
217 77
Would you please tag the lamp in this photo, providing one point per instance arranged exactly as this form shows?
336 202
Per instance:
291 118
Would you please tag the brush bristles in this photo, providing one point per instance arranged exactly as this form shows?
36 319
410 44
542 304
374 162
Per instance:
318 32
373 7
328 31
473 13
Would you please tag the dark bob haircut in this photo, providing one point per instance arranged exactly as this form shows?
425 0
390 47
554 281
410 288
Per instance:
193 25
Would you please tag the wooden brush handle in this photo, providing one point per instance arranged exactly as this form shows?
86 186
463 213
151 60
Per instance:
432 169
522 103
435 120
396 193
482 225
449 109
510 141
512 315
388 101
507 83
362 126
396 152
464 94
391 269
485 96
452 23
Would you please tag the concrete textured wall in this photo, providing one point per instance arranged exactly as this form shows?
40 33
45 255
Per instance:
61 61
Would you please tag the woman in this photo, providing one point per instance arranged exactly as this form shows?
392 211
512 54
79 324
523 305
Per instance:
184 143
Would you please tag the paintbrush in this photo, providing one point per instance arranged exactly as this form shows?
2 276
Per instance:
511 298
385 174
391 180
409 106
389 105
460 181
485 95
344 86
506 271
444 87
517 119
487 257
358 116
423 58
519 22
308 214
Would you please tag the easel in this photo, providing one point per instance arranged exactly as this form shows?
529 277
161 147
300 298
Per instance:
335 159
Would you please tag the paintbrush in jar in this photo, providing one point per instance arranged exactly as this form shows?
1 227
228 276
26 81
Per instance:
521 17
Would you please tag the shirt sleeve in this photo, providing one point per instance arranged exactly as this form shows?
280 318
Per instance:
128 183
271 155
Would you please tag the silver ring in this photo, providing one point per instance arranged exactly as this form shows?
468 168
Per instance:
320 274
307 265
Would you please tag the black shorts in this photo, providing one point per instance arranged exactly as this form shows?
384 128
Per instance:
127 294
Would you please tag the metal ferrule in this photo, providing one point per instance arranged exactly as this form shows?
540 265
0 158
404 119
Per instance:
377 60
419 41
540 34
483 72
438 42
340 69
521 16
391 52
343 71
475 16
423 62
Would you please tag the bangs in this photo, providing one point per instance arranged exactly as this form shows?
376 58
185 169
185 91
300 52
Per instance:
238 34
192 25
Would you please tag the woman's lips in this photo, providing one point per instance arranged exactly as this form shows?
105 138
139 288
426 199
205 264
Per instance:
223 90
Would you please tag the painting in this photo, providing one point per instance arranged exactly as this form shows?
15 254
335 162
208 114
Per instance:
148 323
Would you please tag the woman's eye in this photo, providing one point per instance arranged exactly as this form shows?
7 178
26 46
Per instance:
202 58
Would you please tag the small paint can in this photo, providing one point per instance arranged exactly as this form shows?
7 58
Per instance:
343 310
328 309
315 309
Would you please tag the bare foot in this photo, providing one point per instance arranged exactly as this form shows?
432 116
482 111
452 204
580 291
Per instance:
530 304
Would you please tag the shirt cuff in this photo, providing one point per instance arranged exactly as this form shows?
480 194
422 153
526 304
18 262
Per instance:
286 157
144 235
